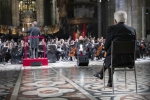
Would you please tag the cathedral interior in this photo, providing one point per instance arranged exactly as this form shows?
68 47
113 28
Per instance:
64 18
64 80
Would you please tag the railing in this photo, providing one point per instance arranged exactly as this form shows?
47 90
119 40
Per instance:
25 41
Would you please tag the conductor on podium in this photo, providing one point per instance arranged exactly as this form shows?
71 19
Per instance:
34 32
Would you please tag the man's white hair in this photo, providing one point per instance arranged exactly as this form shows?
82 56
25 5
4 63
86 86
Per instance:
120 16
34 23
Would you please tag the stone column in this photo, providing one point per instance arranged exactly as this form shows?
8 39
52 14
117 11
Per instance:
117 5
15 12
40 12
122 5
129 13
99 19
53 13
111 10
143 22
137 14
0 10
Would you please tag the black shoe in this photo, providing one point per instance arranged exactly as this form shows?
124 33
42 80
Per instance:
109 84
99 76
130 67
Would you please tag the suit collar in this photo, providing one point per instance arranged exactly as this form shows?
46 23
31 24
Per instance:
121 23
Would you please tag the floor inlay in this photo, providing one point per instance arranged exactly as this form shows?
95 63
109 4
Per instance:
64 80
46 84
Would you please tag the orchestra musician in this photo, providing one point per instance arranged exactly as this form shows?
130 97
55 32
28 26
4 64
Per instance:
81 47
72 49
90 49
65 48
142 48
42 45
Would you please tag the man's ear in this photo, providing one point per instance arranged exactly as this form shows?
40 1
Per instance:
115 22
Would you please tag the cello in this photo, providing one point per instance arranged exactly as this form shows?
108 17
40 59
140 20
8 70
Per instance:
98 51
72 52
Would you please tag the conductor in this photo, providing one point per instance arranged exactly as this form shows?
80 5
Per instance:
34 32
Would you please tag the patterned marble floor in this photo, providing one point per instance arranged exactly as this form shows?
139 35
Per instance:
66 81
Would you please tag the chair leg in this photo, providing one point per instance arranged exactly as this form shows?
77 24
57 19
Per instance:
104 77
112 79
135 78
125 79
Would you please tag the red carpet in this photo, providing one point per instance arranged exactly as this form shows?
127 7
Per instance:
28 61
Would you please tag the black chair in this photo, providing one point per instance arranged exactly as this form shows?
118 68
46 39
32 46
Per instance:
122 48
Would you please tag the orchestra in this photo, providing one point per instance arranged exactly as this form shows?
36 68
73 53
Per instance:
66 49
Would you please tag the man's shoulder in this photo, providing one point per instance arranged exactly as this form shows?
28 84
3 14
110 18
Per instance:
112 27
121 26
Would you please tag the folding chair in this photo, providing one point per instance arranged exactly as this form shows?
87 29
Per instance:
122 47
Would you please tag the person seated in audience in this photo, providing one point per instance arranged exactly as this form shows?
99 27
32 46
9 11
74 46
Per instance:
117 32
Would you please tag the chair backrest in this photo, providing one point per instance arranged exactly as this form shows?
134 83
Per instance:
123 48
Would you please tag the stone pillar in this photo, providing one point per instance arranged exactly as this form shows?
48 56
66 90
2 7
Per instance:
0 10
53 12
137 14
129 12
40 12
111 10
122 5
143 22
148 18
134 13
99 19
117 5
15 12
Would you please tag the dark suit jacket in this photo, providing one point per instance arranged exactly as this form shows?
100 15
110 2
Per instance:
118 32
34 31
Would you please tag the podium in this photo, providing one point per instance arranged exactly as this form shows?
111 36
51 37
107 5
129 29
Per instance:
34 61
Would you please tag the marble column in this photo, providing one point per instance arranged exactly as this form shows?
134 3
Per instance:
99 19
54 12
129 13
40 12
143 22
0 10
137 14
15 12
122 5
148 17
111 10
117 5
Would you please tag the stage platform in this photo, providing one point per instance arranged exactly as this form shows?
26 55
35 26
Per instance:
35 61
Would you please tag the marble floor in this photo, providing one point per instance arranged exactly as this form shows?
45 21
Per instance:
66 81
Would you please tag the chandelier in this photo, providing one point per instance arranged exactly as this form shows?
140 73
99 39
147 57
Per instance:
27 5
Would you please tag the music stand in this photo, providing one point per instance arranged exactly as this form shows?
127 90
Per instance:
51 48
41 47
5 49
14 50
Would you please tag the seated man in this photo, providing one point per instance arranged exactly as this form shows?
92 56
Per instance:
117 32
